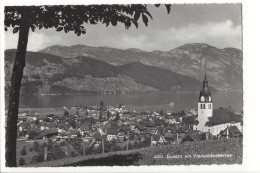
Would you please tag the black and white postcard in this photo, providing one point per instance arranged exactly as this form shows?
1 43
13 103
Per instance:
134 84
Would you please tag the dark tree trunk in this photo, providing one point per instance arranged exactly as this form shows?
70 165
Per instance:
17 74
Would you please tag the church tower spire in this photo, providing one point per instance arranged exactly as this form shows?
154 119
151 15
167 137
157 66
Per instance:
205 81
205 106
205 94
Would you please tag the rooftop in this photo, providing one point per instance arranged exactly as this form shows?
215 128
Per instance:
223 115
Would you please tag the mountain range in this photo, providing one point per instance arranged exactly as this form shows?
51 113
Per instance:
224 66
84 69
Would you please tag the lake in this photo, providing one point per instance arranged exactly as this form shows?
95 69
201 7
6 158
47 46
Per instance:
143 101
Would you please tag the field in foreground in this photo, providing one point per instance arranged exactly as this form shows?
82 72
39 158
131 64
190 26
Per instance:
221 151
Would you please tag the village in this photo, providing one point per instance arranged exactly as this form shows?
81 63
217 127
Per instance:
82 130
107 129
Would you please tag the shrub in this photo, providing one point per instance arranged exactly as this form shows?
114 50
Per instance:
57 77
136 145
22 161
35 146
36 76
73 154
44 144
63 143
32 134
23 151
66 114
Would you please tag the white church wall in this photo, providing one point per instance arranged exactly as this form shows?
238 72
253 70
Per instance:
205 110
215 130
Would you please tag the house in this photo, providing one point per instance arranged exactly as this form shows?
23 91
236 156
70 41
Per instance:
231 132
112 133
63 135
121 136
71 128
47 133
162 139
24 127
181 132
98 138
193 137
41 135
50 132
125 129
169 129
74 133
88 136
161 129
152 130
60 129
170 137
137 130
157 139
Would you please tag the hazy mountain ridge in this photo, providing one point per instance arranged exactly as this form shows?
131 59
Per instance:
224 66
48 74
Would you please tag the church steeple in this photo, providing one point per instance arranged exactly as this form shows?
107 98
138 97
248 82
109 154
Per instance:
205 106
205 81
205 94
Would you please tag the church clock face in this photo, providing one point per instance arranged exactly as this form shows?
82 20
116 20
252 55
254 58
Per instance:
209 98
202 98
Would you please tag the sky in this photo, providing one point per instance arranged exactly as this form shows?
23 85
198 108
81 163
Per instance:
218 25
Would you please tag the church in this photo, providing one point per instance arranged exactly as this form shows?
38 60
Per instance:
214 121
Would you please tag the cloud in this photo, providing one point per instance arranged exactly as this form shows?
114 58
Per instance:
222 34
11 40
127 41
219 34
36 41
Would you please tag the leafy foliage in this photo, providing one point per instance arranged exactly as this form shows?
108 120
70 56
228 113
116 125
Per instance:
72 18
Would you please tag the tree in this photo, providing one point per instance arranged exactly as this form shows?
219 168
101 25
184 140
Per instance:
136 145
117 116
66 114
183 113
32 134
101 104
50 144
23 151
62 18
44 144
35 146
79 135
108 114
21 161
101 109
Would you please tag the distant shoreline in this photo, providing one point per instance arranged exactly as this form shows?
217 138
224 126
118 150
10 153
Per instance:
154 92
